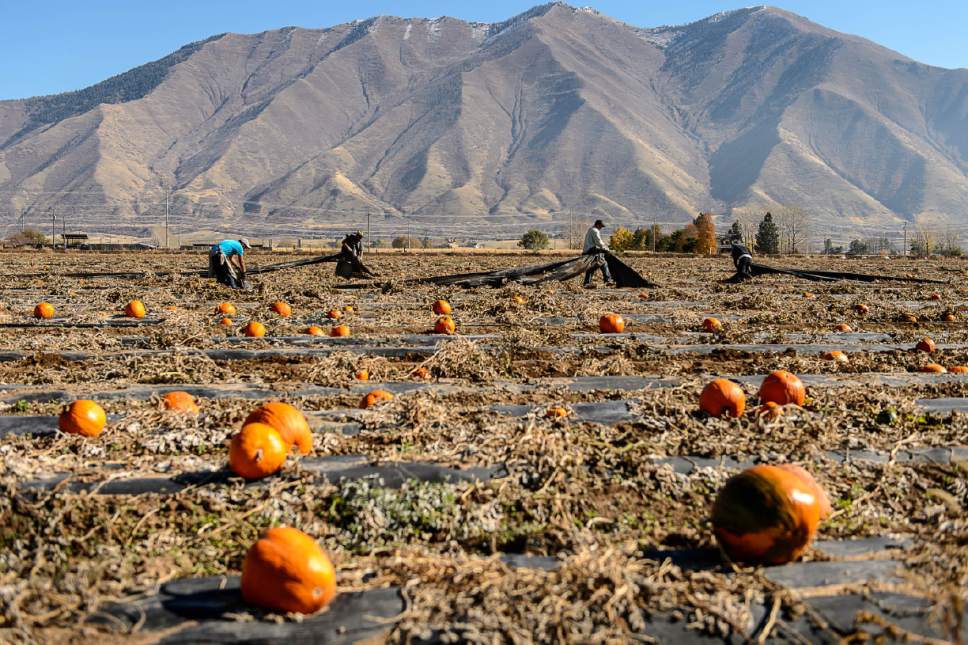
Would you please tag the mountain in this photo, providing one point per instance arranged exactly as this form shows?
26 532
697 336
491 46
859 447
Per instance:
463 127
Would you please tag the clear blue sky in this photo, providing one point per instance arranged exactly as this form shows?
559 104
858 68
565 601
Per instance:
59 45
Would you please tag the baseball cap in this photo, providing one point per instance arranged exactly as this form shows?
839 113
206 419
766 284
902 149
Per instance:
245 243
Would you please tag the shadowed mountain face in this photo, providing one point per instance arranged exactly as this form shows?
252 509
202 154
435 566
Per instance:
556 110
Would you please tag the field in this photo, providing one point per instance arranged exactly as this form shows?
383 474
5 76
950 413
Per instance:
458 510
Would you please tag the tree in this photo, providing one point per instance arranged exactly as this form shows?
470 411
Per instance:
857 247
768 236
621 240
534 240
26 237
924 243
949 243
735 233
404 242
792 224
705 234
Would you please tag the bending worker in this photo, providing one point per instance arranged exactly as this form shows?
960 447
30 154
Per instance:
595 245
221 265
742 259
353 245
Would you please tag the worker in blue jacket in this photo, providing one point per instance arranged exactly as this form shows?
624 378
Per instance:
226 262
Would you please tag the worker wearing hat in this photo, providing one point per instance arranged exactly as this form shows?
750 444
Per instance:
595 245
353 244
220 265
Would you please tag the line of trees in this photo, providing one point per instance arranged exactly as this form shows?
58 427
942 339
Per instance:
697 237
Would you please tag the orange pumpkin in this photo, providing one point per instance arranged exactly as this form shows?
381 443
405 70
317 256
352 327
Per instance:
936 296
445 325
254 329
334 314
909 318
925 345
862 309
256 451
315 330
375 398
340 331
557 412
442 308
44 310
843 328
722 397
770 410
225 322
134 309
643 295
83 417
362 375
180 401
836 355
948 317
518 299
768 514
958 369
282 308
933 368
712 325
226 308
421 373
287 571
288 421
348 309
782 387
809 296
611 324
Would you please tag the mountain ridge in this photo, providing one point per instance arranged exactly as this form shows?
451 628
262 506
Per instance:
554 111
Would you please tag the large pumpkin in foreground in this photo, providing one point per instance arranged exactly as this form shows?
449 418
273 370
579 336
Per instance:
287 571
288 421
768 514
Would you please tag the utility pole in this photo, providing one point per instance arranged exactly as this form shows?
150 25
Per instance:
654 234
369 241
23 216
53 231
905 252
408 236
167 195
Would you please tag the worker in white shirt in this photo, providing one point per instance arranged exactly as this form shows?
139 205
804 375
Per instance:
595 245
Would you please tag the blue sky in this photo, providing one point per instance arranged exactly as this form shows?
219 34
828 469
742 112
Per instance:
59 45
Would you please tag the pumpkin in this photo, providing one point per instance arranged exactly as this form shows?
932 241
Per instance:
722 396
180 401
134 309
340 331
933 368
768 514
442 308
948 317
282 308
44 310
843 328
226 308
375 398
518 299
421 373
254 329
83 417
288 421
315 330
958 369
925 345
712 325
770 410
225 322
334 314
809 296
643 295
287 571
782 387
909 318
862 309
362 375
348 309
611 324
936 296
557 412
256 451
445 325
836 355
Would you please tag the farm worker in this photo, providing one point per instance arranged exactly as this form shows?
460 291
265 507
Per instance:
350 262
221 265
595 245
353 244
742 259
